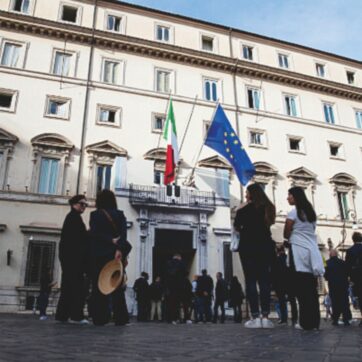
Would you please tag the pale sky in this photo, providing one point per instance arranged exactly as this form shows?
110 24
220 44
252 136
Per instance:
334 26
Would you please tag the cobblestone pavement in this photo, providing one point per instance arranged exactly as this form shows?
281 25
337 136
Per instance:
25 338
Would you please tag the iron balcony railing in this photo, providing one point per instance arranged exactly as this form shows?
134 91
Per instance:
139 194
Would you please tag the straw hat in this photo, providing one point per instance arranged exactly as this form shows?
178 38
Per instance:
110 277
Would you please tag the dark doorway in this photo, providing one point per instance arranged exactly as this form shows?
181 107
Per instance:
167 243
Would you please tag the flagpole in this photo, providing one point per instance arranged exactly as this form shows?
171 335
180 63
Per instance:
184 135
203 142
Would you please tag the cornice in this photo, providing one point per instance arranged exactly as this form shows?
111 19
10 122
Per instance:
167 52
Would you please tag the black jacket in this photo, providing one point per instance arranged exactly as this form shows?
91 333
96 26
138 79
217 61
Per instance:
354 262
176 273
205 284
255 235
156 291
221 290
142 289
236 294
336 273
102 232
74 243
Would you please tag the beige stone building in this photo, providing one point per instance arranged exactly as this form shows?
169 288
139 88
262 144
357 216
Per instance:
84 90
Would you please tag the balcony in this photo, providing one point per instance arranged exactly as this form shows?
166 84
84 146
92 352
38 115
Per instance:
140 195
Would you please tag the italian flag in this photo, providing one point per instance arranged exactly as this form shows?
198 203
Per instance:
170 135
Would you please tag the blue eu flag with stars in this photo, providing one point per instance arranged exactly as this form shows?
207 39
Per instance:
223 139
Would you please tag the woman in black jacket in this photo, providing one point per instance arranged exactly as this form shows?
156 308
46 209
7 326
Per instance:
73 254
108 230
257 251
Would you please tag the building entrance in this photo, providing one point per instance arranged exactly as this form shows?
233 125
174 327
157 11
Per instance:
167 243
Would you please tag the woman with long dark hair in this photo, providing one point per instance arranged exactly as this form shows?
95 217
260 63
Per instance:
304 256
257 251
108 229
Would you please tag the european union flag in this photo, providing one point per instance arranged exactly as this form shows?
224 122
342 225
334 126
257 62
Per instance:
222 138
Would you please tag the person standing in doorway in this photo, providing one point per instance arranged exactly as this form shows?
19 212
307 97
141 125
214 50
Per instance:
304 256
257 252
221 296
156 296
73 254
142 290
205 288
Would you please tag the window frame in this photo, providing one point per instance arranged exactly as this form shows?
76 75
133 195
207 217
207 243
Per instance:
321 65
264 138
121 64
215 44
73 64
14 100
332 107
295 97
353 73
59 161
30 9
22 52
253 53
171 82
118 115
251 88
170 32
217 87
302 149
284 56
123 18
53 98
340 155
153 120
71 5
358 118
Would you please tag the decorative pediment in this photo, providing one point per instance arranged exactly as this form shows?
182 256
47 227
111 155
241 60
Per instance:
302 173
343 182
51 140
7 141
156 154
264 172
214 162
106 148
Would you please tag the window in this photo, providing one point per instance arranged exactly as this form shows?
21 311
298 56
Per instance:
336 150
69 13
158 122
7 100
359 119
62 63
328 113
21 6
58 107
253 98
256 138
320 69
103 177
48 177
7 146
111 72
10 55
296 144
114 23
163 81
207 43
158 177
283 61
290 105
41 256
210 90
343 205
350 77
247 52
163 33
109 115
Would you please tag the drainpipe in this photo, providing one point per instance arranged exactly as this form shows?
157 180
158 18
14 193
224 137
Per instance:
86 101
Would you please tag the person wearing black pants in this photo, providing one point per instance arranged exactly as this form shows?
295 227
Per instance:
304 257
221 296
236 296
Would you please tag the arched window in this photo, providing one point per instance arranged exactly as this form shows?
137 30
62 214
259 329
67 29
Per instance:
158 155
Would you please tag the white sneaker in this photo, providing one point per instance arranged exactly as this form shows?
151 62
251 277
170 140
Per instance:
253 323
174 323
43 318
266 323
188 321
297 326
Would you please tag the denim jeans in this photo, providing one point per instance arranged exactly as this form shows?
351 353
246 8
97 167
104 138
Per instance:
257 272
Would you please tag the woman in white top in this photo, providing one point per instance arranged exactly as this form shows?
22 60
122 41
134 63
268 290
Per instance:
304 256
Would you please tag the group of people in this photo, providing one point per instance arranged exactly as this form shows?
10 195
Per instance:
83 253
177 300
293 275
291 269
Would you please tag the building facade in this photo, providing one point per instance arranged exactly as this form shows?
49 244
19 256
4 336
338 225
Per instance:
84 91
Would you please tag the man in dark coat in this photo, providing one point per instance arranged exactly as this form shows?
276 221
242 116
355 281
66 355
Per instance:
175 276
337 276
205 287
354 265
73 253
142 290
221 296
